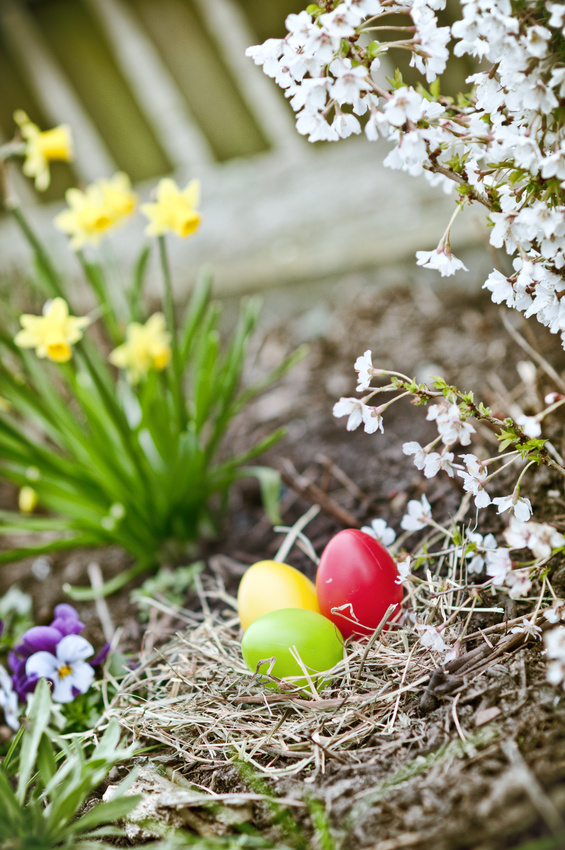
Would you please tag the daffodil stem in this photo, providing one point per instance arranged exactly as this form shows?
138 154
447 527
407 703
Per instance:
42 257
98 284
114 410
169 309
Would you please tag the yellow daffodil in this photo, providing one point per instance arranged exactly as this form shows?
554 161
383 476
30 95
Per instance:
41 148
53 333
118 197
92 213
173 209
146 347
27 500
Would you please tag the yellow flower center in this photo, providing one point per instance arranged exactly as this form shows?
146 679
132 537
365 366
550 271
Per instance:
93 219
60 352
183 221
55 144
162 358
64 670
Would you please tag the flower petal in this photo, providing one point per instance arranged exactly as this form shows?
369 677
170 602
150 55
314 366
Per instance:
42 664
82 676
73 648
39 639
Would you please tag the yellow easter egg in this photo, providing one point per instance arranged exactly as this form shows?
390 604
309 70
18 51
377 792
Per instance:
269 585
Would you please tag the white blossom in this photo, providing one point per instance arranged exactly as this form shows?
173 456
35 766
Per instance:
541 538
519 583
557 12
441 260
530 425
450 425
418 516
380 531
435 461
555 648
520 505
404 105
477 553
352 408
419 453
359 413
505 143
431 638
528 628
365 371
555 614
403 565
499 565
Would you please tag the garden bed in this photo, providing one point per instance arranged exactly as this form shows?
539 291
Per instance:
402 750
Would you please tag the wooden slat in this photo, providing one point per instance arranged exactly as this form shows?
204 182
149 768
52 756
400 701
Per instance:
192 58
52 90
228 27
152 85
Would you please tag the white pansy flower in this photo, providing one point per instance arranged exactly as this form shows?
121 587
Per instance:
68 669
8 700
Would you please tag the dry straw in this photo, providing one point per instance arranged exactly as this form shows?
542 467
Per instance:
196 696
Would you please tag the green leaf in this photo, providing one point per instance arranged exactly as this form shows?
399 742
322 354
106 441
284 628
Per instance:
135 292
38 718
196 308
87 594
46 762
104 813
270 484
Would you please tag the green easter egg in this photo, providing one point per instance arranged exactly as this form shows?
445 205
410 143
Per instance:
314 637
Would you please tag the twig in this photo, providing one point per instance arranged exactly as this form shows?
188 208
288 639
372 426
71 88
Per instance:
541 361
293 479
460 731
102 610
544 805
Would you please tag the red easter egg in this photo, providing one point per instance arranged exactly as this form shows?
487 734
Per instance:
357 575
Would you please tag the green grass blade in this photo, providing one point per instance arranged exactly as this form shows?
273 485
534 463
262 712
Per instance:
195 312
134 293
38 719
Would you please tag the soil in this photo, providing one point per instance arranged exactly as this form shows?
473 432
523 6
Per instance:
503 786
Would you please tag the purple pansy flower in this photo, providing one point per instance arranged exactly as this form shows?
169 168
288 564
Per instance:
46 641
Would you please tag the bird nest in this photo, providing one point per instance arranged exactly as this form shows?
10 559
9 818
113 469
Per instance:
196 696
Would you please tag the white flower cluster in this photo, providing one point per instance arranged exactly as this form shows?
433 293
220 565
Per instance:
504 145
453 427
331 89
